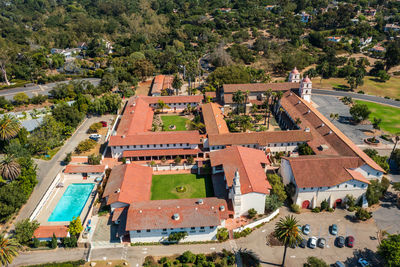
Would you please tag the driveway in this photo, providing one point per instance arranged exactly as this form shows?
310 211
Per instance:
365 244
39 89
387 217
330 104
47 170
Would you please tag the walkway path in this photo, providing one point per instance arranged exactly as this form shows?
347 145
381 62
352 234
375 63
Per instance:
370 98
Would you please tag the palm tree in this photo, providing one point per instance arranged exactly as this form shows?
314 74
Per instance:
238 98
9 168
8 250
268 95
246 95
297 121
287 231
9 127
254 109
162 105
334 116
279 95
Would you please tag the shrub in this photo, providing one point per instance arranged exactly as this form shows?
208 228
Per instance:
277 186
67 158
330 210
251 213
295 208
363 214
36 242
324 205
190 160
94 128
70 242
177 160
316 210
361 92
272 203
351 209
315 262
24 230
85 145
222 234
350 201
38 99
94 159
53 242
187 257
177 236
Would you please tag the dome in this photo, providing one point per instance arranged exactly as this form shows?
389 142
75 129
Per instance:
306 79
295 71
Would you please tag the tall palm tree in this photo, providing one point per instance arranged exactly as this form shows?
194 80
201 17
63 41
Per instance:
9 127
287 231
9 168
238 98
162 105
268 95
246 95
334 116
279 95
8 250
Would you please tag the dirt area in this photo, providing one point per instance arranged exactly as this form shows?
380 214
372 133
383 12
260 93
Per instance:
31 106
113 263
96 149
143 88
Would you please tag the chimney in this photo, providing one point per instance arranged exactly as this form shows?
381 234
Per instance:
330 132
307 130
200 201
140 211
123 136
308 111
118 190
175 216
222 208
323 124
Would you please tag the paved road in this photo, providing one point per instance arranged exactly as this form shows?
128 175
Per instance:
38 89
371 98
47 170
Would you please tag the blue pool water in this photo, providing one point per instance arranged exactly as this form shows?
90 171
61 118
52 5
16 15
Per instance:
71 203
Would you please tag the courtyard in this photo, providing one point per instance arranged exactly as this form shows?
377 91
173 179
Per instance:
177 186
169 121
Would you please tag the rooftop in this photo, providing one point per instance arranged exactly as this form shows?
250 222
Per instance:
159 214
60 231
155 138
248 162
84 168
214 119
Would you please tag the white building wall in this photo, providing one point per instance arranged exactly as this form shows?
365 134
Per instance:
252 201
117 151
117 205
79 175
286 172
177 106
158 235
369 173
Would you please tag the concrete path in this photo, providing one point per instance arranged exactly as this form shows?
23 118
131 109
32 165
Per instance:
39 89
370 98
47 170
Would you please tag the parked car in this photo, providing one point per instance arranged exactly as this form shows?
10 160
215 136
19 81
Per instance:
103 123
340 241
334 229
350 241
339 264
321 242
312 242
363 262
306 229
95 136
303 243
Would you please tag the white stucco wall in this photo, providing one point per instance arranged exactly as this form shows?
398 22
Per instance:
369 173
159 235
79 175
252 201
177 106
117 151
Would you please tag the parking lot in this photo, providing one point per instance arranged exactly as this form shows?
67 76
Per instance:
365 245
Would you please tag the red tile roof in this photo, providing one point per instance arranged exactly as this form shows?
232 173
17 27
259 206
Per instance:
60 231
214 119
157 84
323 171
322 130
155 138
137 117
129 183
248 162
83 168
260 138
159 152
158 214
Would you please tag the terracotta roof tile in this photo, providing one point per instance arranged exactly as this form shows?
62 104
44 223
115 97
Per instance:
157 84
137 117
155 138
83 168
323 171
129 183
60 231
158 214
214 119
260 138
248 162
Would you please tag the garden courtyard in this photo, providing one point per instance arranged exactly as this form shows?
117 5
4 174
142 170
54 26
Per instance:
177 186
172 122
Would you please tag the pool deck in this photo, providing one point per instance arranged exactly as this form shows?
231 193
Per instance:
55 197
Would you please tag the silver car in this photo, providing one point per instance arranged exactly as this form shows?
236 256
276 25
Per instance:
312 242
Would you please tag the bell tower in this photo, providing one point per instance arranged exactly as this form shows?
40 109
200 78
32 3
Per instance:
305 89
294 76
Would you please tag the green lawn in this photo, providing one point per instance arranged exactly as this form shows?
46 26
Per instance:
178 121
390 116
371 86
164 186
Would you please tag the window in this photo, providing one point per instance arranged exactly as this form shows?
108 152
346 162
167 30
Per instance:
167 145
202 227
148 145
192 228
138 231
121 147
354 185
274 144
211 227
141 146
329 187
312 188
320 188
368 174
164 230
345 186
174 145
148 230
134 146
337 186
304 188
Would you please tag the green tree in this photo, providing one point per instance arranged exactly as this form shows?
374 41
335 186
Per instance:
161 105
238 98
75 226
251 213
305 149
177 83
272 203
315 262
53 242
287 231
9 127
363 214
383 76
9 168
177 236
228 75
389 250
177 160
334 116
187 257
8 250
24 230
359 112
222 234
68 115
94 159
21 99
392 55
278 188
374 192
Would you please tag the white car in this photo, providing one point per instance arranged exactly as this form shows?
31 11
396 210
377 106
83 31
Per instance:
95 136
363 262
312 242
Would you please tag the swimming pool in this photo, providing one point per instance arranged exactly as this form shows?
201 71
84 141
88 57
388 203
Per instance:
71 203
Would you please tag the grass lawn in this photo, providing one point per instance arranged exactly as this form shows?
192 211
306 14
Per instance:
371 86
164 186
178 121
390 116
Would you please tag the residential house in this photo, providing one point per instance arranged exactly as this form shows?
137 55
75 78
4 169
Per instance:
84 171
393 27
46 232
335 39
